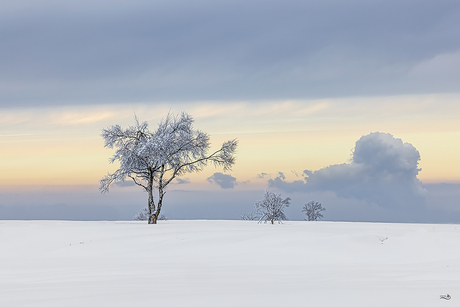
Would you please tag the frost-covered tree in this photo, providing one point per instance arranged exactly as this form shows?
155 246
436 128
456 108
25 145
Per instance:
251 216
313 210
152 159
142 215
271 208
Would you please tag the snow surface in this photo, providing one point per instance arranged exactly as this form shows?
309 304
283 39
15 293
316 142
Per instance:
228 263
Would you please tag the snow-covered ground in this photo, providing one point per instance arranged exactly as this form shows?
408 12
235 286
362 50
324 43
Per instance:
228 263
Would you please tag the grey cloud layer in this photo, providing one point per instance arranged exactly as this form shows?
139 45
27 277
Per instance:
186 50
383 171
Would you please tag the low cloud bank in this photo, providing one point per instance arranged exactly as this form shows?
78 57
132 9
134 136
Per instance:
124 184
383 171
182 181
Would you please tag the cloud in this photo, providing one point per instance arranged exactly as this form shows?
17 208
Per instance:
126 183
223 180
281 176
182 181
81 53
262 176
383 170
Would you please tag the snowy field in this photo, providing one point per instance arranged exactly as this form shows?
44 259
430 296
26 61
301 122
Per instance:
228 263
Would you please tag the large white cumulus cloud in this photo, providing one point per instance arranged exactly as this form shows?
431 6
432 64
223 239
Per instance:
383 170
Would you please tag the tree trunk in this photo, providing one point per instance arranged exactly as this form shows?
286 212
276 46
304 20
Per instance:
151 204
161 193
154 215
152 218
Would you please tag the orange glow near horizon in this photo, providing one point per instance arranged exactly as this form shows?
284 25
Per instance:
63 146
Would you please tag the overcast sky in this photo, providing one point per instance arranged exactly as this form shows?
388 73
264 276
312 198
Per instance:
299 83
93 52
